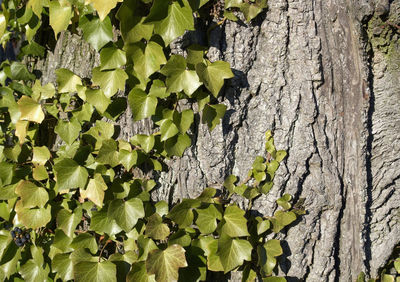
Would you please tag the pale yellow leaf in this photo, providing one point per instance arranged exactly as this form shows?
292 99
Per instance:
30 109
103 7
20 130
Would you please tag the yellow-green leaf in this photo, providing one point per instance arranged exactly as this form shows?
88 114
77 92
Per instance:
30 109
60 15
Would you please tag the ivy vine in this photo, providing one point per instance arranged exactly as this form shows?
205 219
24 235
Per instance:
76 211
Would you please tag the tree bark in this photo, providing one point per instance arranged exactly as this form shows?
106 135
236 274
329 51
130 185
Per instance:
324 76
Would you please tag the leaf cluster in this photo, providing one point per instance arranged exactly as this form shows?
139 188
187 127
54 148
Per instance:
79 207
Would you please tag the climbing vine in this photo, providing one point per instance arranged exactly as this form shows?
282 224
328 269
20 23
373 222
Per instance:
71 204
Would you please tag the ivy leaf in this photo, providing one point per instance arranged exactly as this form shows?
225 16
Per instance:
44 92
233 4
131 25
282 219
31 195
70 175
165 264
235 224
63 266
112 58
176 145
60 15
98 99
30 109
168 129
182 214
212 115
33 218
67 80
147 58
178 19
273 247
184 120
68 130
101 223
32 272
103 7
284 201
155 228
95 31
127 213
110 81
3 25
178 77
40 155
207 219
95 190
233 252
146 142
138 273
67 221
274 279
95 271
85 240
158 89
36 6
19 71
142 105
108 153
128 159
8 101
213 75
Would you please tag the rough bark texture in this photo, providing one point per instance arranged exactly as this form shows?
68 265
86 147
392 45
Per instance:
324 76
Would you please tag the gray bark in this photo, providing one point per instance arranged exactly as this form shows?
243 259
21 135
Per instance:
324 76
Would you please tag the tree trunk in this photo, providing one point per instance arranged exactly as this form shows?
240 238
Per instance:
324 76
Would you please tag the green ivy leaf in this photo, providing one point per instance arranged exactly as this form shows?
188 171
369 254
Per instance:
147 58
138 273
155 228
85 240
142 105
128 159
70 175
32 272
178 77
40 155
235 224
233 252
36 6
233 4
67 221
112 58
67 81
182 213
95 31
33 218
397 265
212 115
95 271
284 201
95 190
63 266
168 129
108 153
127 213
131 25
60 15
31 195
176 145
207 219
110 81
178 19
274 279
19 71
68 130
146 142
103 7
98 99
273 248
213 75
165 264
102 223
3 25
282 219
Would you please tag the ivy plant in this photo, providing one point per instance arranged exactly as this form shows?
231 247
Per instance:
71 207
